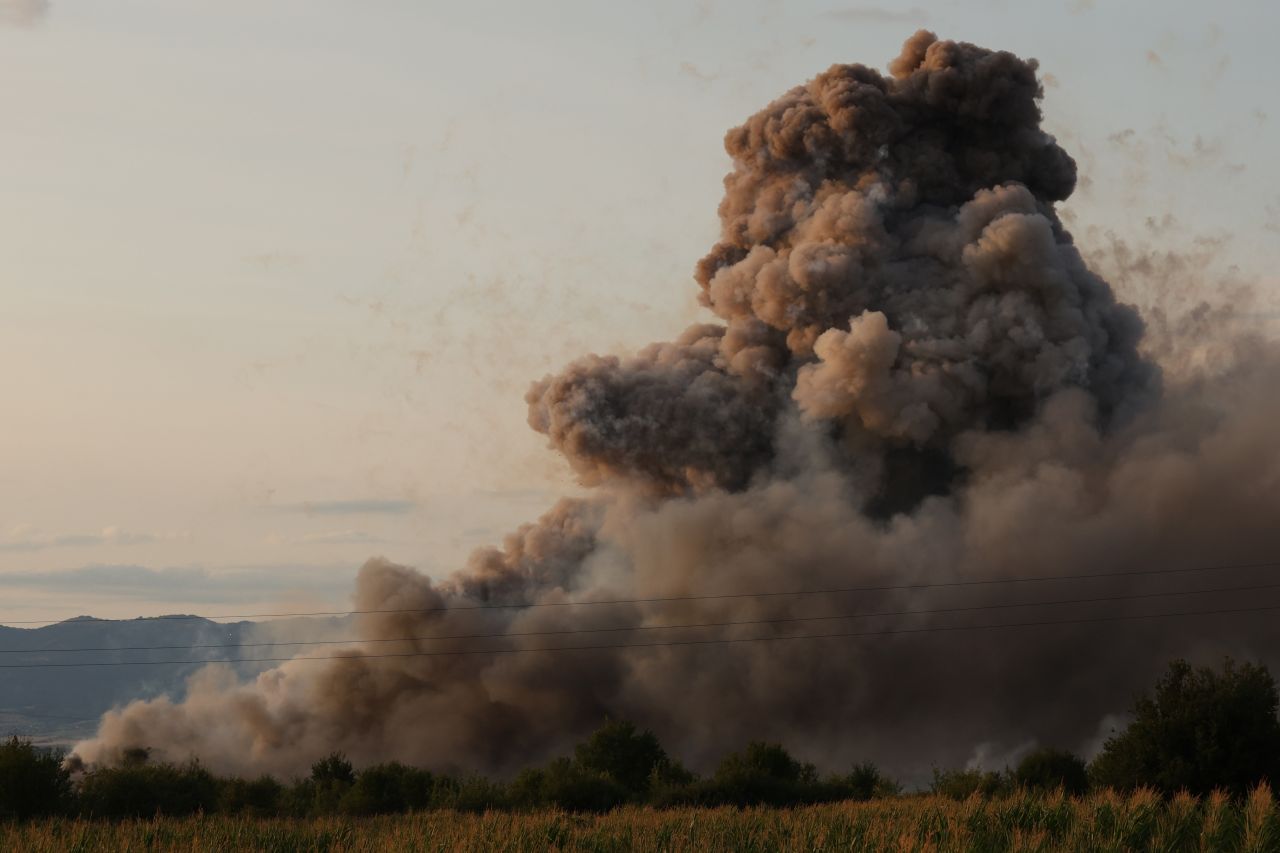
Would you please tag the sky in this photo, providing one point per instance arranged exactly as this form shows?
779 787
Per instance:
275 274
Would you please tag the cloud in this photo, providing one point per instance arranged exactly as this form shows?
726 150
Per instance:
352 507
878 15
193 584
23 13
24 539
337 537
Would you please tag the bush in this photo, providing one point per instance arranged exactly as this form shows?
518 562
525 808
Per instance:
963 784
762 774
866 781
567 785
32 781
1201 730
147 790
631 758
331 778
389 789
1052 769
261 797
469 794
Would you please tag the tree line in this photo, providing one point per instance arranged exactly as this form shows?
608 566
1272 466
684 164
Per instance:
1198 731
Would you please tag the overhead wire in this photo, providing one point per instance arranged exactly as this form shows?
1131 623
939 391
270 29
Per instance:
671 598
669 627
663 643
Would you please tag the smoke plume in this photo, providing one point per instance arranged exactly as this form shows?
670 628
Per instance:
913 378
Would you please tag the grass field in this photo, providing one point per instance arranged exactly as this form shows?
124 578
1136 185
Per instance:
1100 822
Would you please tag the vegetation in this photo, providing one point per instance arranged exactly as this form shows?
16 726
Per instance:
32 782
1201 730
1023 821
1198 759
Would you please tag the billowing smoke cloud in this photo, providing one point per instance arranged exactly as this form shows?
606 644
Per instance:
915 378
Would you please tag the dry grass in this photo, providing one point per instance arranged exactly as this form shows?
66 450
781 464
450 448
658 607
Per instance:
1024 822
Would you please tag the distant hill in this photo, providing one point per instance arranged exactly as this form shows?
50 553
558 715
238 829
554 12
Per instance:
59 705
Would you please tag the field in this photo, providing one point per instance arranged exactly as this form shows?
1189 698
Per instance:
1099 822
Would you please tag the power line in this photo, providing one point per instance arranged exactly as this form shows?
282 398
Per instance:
688 625
666 643
673 598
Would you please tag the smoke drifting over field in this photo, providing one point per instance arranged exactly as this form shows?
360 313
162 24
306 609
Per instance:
914 378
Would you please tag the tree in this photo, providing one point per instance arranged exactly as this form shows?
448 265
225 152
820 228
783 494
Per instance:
1052 769
32 781
389 789
1200 730
963 784
866 781
333 769
331 778
567 785
767 773
261 797
624 754
147 790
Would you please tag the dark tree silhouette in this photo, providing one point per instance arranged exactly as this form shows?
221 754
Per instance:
32 782
1052 769
1200 730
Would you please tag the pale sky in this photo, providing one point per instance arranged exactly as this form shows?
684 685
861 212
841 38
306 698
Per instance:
274 274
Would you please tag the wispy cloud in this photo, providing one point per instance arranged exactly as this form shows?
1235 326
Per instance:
879 15
372 506
194 584
336 537
24 538
23 13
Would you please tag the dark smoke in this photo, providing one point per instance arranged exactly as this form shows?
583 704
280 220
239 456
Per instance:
916 378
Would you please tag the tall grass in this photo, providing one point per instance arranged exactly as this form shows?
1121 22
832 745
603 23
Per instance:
1103 821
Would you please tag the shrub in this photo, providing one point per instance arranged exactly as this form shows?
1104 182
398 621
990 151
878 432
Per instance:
32 781
1200 730
261 797
469 794
1052 769
388 789
866 781
631 758
963 784
567 785
147 790
763 773
331 778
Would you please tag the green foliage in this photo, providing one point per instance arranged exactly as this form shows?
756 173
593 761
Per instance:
761 774
331 778
631 758
1052 769
469 794
261 797
567 785
146 790
866 782
334 770
1199 731
32 781
389 789
963 784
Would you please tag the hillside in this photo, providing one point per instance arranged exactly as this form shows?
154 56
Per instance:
60 704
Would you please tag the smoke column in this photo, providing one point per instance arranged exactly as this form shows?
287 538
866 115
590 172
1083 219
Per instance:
913 377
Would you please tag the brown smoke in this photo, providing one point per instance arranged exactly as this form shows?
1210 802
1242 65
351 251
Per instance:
917 378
